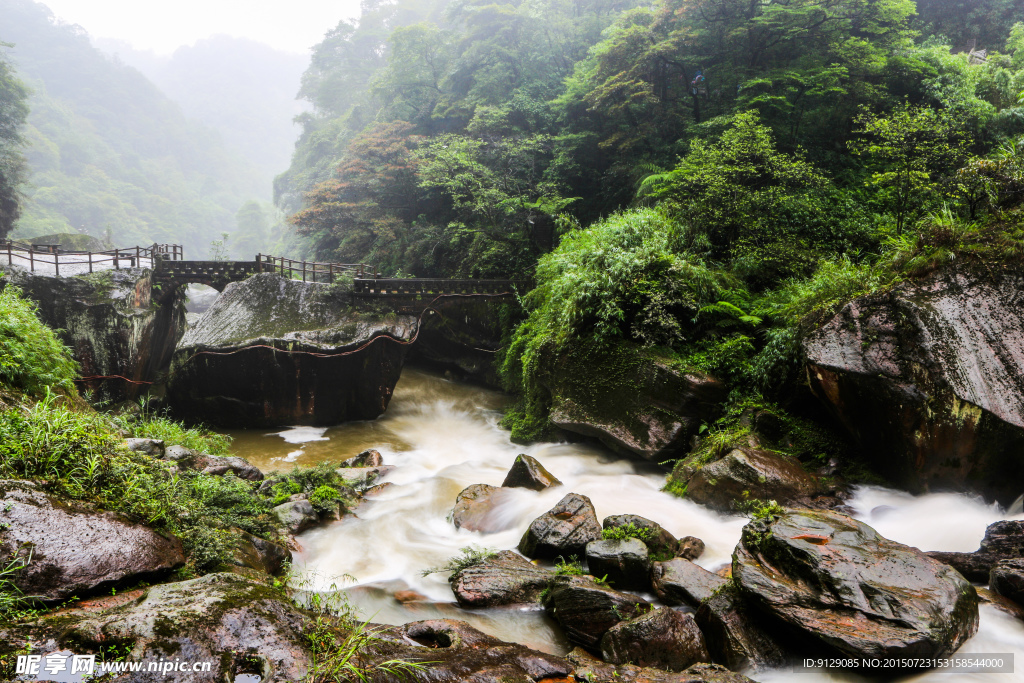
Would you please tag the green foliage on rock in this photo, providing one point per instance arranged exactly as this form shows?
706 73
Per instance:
32 358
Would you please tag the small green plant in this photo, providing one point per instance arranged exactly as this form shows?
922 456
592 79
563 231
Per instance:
471 555
570 567
340 657
325 499
629 530
756 508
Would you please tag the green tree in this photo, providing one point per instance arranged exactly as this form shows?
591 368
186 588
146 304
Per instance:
914 150
13 169
740 189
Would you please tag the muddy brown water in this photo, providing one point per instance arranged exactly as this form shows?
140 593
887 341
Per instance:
443 436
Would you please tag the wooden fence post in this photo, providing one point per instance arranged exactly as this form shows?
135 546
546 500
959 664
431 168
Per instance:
56 264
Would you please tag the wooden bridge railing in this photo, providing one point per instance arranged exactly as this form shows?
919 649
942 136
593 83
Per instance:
426 286
41 257
311 271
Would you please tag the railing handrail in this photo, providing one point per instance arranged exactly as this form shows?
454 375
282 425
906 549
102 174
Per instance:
92 258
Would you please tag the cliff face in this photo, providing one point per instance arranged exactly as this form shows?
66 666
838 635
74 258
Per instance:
272 351
929 378
112 323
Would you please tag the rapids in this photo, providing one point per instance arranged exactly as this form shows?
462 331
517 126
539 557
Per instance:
444 436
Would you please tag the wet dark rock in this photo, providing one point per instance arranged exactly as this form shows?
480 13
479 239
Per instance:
218 465
178 453
296 515
506 578
838 582
260 554
586 610
368 458
76 550
461 335
154 447
749 473
111 322
528 473
736 636
593 670
564 530
681 582
690 548
1003 541
363 477
624 564
660 542
473 508
458 652
929 378
1007 579
662 638
1000 602
205 619
633 400
290 353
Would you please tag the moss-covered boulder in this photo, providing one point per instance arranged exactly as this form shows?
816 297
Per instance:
504 578
233 622
120 333
842 586
272 351
749 473
75 550
633 400
929 378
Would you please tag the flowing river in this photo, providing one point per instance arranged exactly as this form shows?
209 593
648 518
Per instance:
443 436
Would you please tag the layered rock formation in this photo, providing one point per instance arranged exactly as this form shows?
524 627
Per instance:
633 401
116 329
272 351
929 378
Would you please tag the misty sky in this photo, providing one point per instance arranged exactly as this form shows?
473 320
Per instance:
163 25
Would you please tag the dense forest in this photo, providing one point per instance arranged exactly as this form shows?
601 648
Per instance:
108 153
700 177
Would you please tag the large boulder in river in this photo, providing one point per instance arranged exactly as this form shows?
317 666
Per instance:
75 550
1003 541
929 378
632 399
837 582
747 473
505 578
593 670
625 563
736 635
662 638
477 508
528 473
681 582
658 540
564 530
272 351
121 335
586 609
225 619
1007 579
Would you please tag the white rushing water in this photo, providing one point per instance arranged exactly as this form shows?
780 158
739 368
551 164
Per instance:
443 437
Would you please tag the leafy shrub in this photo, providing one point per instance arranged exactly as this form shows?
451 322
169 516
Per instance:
32 358
148 425
80 455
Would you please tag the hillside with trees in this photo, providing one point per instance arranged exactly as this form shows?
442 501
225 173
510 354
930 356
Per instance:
108 153
698 176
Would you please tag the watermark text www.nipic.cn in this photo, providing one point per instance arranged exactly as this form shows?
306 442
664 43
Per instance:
59 663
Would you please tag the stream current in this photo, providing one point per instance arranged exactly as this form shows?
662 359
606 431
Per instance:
443 436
